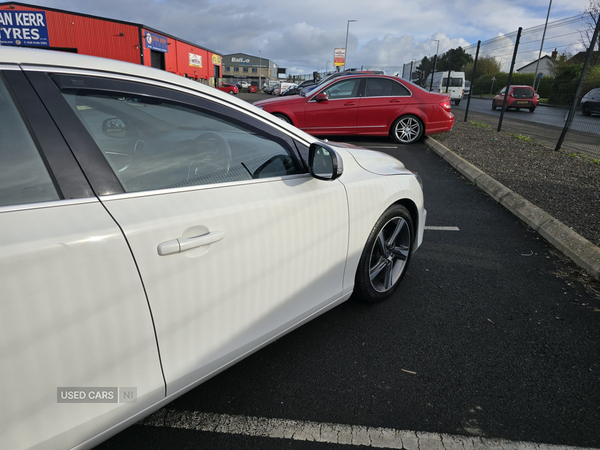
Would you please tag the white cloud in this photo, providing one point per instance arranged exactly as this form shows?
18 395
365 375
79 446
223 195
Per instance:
302 36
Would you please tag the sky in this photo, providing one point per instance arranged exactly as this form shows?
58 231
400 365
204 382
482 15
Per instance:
301 36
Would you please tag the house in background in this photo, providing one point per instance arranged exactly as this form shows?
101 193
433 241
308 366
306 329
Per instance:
579 58
546 64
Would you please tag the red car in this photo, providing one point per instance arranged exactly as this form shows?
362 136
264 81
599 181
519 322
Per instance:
227 87
366 104
518 97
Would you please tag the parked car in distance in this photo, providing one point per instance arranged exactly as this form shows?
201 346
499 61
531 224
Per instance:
291 91
307 84
228 87
284 86
245 84
590 103
519 97
155 231
366 104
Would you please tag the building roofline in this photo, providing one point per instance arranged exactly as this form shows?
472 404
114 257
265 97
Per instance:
124 22
533 62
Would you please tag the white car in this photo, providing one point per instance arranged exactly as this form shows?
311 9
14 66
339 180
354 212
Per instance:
156 231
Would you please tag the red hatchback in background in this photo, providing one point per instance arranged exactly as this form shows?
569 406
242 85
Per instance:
227 87
518 97
366 104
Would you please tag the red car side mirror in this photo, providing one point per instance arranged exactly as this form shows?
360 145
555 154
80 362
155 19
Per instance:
320 97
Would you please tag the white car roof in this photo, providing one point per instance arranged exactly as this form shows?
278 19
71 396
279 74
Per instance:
49 58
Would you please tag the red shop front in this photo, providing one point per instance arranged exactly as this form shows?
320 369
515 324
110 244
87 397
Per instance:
26 25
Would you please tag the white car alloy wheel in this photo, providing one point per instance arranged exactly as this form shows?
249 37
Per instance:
389 254
407 129
386 255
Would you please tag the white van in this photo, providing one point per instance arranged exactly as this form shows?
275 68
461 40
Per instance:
440 84
284 86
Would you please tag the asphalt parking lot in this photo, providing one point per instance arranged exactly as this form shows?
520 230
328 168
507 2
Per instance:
491 335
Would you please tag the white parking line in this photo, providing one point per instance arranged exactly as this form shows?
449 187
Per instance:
333 433
442 228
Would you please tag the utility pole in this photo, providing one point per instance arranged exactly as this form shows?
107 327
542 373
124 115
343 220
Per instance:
346 47
541 47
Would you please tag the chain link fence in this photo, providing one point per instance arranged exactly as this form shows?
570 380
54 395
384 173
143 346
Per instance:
558 67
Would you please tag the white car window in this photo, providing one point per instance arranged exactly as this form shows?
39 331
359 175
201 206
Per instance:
23 174
155 144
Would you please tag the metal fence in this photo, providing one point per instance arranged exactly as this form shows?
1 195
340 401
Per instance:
557 60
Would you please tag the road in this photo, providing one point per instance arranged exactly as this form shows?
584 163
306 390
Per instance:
491 335
547 115
545 125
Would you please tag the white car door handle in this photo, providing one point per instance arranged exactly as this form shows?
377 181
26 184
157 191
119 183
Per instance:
183 244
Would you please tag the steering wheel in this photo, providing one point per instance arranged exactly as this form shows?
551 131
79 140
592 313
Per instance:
210 153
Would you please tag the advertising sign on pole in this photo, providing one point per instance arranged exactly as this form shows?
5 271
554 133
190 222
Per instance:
339 56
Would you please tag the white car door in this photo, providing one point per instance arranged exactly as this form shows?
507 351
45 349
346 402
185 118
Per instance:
235 242
73 315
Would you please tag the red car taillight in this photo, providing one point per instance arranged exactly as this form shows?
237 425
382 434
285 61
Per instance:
446 104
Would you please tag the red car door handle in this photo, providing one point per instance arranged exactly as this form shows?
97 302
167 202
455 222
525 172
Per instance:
394 101
349 104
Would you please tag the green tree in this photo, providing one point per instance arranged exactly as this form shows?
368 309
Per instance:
455 56
425 67
560 61
565 83
486 65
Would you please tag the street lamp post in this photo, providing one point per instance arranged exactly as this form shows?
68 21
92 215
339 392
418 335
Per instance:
346 47
259 70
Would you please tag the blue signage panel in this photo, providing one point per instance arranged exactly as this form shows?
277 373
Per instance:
156 42
27 28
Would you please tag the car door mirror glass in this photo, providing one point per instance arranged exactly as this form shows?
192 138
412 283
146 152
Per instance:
114 127
323 162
